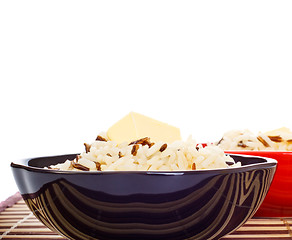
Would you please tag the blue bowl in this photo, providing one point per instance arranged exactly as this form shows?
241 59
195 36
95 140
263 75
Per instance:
200 204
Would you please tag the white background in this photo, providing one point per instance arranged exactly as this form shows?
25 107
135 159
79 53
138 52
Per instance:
70 69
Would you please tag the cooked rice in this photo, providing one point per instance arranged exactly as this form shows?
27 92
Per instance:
246 140
179 155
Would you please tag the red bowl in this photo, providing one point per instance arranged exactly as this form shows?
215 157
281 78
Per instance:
278 202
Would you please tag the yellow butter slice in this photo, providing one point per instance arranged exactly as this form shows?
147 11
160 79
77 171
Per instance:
136 126
279 131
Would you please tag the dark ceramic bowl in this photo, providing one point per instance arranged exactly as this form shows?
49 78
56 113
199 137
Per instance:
278 202
201 204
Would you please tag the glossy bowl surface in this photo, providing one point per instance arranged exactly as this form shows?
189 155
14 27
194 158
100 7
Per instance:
278 202
201 204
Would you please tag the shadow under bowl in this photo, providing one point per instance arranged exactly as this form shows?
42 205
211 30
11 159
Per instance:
201 204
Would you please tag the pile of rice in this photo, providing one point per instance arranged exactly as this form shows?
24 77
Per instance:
246 140
143 155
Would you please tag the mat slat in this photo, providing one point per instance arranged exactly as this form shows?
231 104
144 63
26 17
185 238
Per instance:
28 237
258 236
17 223
23 224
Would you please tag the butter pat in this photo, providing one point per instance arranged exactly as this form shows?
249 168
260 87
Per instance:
283 132
135 126
279 131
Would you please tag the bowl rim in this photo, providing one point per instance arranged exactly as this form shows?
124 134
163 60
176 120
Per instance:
23 164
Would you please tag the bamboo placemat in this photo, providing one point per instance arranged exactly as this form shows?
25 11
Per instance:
17 222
